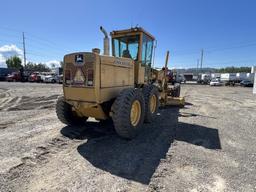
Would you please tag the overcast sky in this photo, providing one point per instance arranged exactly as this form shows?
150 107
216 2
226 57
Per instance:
225 29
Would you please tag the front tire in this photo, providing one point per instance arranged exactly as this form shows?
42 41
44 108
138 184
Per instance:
66 115
128 113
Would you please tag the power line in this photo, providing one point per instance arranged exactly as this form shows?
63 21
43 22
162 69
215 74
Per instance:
9 36
38 55
231 48
32 38
42 40
40 47
53 46
234 62
31 35
9 29
7 42
212 50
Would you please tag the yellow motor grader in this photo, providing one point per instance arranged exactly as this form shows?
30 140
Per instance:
122 86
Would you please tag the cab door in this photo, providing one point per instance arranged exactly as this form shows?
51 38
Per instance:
146 55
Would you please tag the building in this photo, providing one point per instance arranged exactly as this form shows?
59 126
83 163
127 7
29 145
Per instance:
254 85
188 76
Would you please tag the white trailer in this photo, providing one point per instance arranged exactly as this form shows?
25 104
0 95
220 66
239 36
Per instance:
57 70
241 76
215 75
254 86
253 69
228 78
250 77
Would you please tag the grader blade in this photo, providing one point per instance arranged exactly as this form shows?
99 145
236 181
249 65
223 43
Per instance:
175 101
170 94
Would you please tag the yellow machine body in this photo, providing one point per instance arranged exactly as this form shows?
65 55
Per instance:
92 81
95 80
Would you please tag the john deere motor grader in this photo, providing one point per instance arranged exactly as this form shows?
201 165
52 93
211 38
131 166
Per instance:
118 86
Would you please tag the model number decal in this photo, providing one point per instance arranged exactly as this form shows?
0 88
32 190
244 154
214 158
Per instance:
120 62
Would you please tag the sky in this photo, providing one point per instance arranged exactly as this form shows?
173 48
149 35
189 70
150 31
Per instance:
224 29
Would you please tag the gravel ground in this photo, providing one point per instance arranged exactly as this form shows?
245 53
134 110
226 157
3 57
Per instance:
209 145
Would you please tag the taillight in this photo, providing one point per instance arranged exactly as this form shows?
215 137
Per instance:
90 77
67 76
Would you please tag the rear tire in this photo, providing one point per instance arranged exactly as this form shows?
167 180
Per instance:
151 97
128 113
66 115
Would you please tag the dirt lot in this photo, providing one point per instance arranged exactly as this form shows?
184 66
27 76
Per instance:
207 146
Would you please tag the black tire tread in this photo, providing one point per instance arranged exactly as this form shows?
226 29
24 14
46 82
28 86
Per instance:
121 112
65 114
148 90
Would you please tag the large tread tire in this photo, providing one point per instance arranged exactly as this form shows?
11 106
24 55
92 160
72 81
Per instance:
149 91
66 115
121 111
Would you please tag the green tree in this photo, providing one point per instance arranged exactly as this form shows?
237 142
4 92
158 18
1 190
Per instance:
61 64
14 62
53 65
234 70
37 67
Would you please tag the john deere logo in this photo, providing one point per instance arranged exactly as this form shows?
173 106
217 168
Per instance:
79 59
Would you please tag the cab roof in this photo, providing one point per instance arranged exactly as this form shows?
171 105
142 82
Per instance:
133 30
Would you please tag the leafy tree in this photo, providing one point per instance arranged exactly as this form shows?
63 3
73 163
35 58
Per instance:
61 64
214 70
53 65
14 62
234 70
37 67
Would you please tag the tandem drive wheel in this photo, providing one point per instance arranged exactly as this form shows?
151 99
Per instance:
128 112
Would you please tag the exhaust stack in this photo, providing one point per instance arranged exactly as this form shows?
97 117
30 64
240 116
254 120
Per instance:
106 41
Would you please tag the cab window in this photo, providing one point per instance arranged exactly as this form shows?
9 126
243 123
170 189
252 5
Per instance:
147 48
126 47
146 56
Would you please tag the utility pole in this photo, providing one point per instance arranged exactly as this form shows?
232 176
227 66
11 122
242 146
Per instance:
197 66
24 49
202 58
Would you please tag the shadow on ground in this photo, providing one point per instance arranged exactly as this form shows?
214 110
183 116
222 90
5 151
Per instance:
138 159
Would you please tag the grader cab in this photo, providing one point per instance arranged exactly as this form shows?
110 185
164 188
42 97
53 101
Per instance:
120 86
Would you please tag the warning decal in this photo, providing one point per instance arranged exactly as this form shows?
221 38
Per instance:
79 77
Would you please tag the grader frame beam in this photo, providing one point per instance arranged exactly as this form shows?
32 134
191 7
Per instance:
165 98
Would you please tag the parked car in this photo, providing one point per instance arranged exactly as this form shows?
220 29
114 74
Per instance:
215 82
40 77
34 77
246 83
51 79
4 72
14 76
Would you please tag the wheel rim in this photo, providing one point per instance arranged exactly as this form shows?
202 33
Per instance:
152 103
135 113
